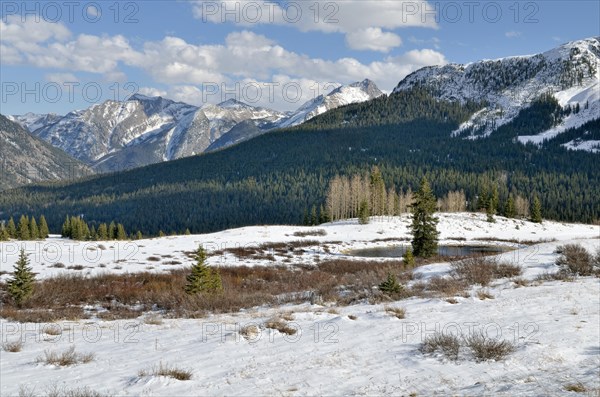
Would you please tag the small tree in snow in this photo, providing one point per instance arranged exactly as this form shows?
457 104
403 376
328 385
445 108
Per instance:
20 287
203 279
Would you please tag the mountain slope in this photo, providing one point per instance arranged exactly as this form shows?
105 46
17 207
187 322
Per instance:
115 136
570 73
362 91
25 159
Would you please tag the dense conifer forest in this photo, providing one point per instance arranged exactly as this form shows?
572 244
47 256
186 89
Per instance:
278 177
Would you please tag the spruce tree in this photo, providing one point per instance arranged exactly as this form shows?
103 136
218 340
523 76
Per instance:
363 213
23 229
390 285
66 228
138 235
536 210
112 231
44 231
408 258
102 232
314 220
34 231
20 287
3 233
11 228
509 208
424 223
187 232
203 279
121 234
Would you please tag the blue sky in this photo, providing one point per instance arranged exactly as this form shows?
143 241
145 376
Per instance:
61 56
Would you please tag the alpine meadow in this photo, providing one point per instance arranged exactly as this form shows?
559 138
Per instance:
208 198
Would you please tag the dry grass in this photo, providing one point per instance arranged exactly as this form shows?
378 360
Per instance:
153 319
13 347
483 295
482 270
446 344
52 329
576 387
77 392
281 326
352 317
452 301
66 358
306 233
168 371
576 260
485 348
398 312
250 332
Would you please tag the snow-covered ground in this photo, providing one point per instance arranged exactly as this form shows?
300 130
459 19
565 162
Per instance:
556 326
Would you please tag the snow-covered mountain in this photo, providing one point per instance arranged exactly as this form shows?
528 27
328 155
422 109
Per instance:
25 158
571 73
142 130
344 95
32 121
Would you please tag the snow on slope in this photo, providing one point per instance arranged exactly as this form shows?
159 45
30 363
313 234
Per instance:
555 326
570 72
344 95
100 257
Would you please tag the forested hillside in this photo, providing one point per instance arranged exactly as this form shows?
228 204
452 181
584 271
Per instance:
275 178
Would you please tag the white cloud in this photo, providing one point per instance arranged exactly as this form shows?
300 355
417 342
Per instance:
183 67
373 39
151 91
61 78
513 34
346 17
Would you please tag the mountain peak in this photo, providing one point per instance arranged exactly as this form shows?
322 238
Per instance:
233 103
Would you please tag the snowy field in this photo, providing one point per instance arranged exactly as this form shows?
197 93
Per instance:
353 350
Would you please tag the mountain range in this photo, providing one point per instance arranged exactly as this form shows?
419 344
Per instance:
114 136
27 159
121 135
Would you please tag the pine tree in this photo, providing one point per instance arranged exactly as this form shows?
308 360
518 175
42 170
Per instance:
424 223
34 231
121 234
390 285
187 232
492 205
93 233
138 235
66 228
11 228
3 233
363 213
203 279
44 231
102 232
509 208
161 233
408 258
112 231
23 229
536 210
20 287
313 216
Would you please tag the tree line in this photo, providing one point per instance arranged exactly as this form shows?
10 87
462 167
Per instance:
363 195
27 229
74 227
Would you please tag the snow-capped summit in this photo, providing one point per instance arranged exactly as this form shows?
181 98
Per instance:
570 72
142 130
344 95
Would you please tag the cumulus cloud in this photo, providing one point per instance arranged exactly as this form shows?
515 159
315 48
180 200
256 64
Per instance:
186 68
373 39
61 78
358 20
